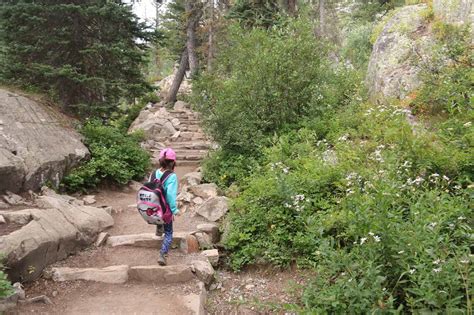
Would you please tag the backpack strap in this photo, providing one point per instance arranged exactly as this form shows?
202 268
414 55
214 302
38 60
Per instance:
165 176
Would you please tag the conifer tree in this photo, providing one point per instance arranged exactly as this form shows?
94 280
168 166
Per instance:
87 53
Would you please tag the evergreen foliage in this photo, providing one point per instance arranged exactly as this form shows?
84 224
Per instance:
87 54
256 13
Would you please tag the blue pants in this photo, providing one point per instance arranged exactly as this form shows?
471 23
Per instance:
168 239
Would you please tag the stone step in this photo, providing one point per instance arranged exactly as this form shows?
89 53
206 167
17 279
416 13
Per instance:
188 163
149 240
189 136
200 269
189 121
193 128
190 154
192 157
191 145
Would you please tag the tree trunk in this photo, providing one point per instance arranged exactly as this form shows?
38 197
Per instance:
193 13
291 7
322 17
178 78
210 54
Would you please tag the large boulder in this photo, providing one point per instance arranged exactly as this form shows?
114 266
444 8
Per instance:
48 234
214 208
393 71
460 12
37 144
205 191
156 124
457 12
165 85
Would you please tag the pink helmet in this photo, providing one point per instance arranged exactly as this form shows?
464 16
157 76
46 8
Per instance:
168 154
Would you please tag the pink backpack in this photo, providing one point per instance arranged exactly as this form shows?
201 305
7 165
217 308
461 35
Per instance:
151 201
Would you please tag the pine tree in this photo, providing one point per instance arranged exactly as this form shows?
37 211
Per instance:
87 53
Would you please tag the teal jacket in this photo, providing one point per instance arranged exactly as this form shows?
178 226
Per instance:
170 188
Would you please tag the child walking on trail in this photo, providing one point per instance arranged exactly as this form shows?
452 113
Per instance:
170 189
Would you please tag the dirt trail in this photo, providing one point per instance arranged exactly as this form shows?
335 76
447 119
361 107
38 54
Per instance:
80 297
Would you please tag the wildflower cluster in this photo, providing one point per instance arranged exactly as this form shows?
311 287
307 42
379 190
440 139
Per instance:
377 154
280 166
370 236
297 203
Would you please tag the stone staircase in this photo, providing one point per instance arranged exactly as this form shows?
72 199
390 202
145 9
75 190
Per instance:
121 264
190 142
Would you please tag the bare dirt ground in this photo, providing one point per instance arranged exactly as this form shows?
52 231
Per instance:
82 298
259 290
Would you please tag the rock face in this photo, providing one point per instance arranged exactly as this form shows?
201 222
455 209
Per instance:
458 12
393 67
49 234
157 124
36 144
214 208
165 85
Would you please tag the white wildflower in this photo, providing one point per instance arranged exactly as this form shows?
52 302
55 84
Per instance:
461 218
437 262
412 271
401 252
362 240
437 270
286 170
468 124
418 180
377 238
343 138
464 261
446 178
371 234
432 225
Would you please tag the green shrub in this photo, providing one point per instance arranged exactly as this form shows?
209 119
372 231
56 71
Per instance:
381 213
447 84
5 285
224 168
262 87
123 118
115 157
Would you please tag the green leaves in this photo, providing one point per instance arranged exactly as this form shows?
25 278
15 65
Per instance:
115 158
87 55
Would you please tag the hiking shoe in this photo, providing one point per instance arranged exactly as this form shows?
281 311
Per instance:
162 259
159 230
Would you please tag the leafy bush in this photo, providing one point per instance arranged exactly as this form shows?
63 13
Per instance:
123 118
5 285
224 168
262 88
115 157
447 77
381 213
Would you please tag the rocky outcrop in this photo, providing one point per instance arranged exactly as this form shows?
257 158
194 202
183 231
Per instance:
156 122
406 43
395 61
165 85
57 228
459 12
37 145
